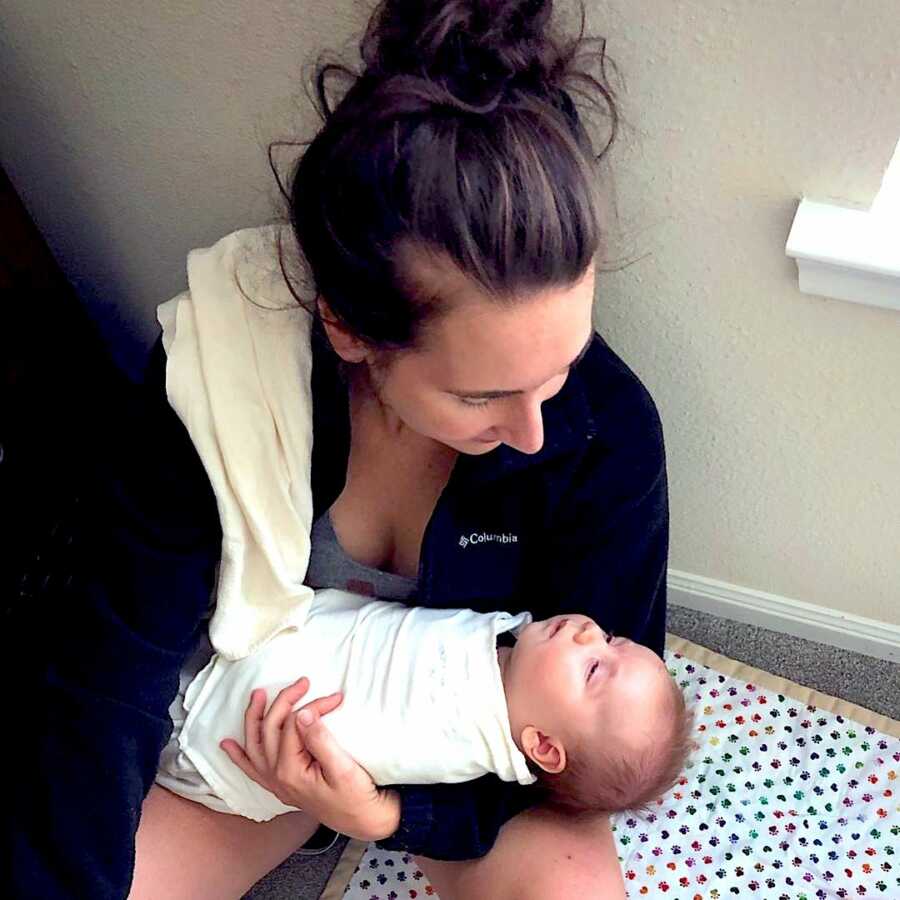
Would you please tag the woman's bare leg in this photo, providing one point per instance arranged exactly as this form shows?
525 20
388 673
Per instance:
185 851
539 855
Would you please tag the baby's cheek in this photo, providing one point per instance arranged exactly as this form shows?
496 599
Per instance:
551 681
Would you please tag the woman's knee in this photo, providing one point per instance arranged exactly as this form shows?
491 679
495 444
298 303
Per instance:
198 853
538 854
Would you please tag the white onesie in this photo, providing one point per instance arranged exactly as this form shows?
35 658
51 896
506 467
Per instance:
423 700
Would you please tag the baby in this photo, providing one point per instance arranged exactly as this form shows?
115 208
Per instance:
434 696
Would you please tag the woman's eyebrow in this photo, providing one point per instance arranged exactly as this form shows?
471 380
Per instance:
493 395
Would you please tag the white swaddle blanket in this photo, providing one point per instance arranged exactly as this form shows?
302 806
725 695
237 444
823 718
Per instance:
238 375
423 700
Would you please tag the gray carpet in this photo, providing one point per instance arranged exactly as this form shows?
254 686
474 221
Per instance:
868 682
298 877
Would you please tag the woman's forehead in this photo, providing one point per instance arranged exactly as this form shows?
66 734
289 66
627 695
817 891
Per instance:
481 345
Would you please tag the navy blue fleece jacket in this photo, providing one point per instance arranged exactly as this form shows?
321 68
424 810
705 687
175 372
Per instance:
582 525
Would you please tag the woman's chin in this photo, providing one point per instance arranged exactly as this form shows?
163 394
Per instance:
477 447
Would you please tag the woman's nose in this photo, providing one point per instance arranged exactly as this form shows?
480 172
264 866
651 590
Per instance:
524 428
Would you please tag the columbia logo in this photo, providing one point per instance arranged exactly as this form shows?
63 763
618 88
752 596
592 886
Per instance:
482 537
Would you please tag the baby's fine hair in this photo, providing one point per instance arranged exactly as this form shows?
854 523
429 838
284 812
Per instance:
609 779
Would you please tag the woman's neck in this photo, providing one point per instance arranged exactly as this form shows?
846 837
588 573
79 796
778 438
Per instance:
366 406
373 420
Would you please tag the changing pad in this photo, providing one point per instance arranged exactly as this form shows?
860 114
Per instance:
792 795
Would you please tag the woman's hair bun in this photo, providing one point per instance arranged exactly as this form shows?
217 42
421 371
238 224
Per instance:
474 49
459 136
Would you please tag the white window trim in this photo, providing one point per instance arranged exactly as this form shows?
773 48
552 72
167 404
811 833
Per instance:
851 254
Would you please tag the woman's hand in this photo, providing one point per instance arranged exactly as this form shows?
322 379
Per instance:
293 755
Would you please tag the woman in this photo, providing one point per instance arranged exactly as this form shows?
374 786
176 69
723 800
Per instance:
472 438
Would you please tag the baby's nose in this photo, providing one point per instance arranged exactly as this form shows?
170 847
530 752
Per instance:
588 632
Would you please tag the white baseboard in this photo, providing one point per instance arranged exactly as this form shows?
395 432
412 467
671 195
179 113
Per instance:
781 614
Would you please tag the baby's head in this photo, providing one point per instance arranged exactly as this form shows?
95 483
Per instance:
601 721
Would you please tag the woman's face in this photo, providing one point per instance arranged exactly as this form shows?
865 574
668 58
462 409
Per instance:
485 369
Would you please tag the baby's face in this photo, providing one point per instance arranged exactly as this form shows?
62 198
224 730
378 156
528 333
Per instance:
568 678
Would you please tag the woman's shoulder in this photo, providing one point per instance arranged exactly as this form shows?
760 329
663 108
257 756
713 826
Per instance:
255 240
602 418
254 254
618 400
617 448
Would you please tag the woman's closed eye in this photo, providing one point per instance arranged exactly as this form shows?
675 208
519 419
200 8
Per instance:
555 386
477 402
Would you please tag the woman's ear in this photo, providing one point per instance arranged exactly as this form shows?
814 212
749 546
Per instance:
543 750
347 346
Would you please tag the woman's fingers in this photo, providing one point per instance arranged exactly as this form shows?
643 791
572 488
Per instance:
253 718
237 755
319 707
321 745
294 760
280 709
276 757
324 705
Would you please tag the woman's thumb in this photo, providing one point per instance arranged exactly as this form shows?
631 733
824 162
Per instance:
320 743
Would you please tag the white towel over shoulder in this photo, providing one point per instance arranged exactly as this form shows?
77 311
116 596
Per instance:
238 375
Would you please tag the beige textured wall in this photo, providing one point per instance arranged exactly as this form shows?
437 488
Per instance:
135 131
781 411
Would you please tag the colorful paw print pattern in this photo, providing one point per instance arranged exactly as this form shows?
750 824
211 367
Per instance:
381 875
782 801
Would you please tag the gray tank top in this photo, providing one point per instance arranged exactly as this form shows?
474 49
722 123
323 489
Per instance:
330 567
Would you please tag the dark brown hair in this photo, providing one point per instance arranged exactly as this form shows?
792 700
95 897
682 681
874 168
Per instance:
458 138
604 779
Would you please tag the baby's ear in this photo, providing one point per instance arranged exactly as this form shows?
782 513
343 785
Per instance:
544 750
